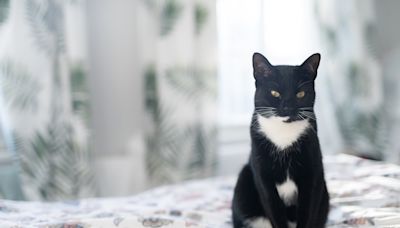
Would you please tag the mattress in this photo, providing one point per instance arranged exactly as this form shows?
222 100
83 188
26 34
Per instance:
363 193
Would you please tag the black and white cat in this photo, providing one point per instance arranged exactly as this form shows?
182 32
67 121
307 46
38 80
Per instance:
283 183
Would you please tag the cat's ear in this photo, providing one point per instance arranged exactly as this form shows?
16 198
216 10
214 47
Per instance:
261 66
311 64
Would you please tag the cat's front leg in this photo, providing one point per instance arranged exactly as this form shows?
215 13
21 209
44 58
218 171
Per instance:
273 206
304 204
319 207
312 204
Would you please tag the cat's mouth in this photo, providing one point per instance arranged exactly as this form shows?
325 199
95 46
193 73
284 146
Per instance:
292 118
288 118
285 119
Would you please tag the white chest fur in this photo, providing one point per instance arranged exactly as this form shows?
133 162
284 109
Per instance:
282 134
287 191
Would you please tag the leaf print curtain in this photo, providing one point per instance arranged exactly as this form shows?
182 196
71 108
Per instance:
178 51
43 98
353 80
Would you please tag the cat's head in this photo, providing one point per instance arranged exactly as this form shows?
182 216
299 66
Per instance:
285 91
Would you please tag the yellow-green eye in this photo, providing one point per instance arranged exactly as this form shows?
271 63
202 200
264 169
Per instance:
300 94
275 93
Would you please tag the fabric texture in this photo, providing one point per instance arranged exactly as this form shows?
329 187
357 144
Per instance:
44 106
177 41
359 198
351 82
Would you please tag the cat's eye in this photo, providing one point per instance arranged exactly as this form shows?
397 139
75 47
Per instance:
300 94
275 93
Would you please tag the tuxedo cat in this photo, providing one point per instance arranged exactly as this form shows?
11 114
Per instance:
282 185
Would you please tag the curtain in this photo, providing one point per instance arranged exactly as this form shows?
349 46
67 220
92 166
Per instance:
353 83
44 109
177 40
44 102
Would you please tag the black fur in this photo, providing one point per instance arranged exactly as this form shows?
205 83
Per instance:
255 192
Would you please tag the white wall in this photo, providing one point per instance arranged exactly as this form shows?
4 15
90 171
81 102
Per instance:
238 38
116 94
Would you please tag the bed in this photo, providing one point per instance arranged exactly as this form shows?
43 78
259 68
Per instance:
363 193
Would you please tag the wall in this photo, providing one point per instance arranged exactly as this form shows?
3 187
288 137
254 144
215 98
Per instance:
116 91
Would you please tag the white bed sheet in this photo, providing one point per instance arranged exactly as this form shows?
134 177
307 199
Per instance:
363 194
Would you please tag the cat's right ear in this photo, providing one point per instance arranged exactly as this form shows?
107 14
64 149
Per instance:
261 66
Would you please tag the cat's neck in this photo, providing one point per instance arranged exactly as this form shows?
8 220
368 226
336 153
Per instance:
282 134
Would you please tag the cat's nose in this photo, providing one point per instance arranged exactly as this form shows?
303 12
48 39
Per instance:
287 111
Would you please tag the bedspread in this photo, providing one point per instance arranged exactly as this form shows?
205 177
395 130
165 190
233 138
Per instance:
363 194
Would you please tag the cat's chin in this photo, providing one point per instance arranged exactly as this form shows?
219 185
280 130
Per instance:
291 119
287 119
283 118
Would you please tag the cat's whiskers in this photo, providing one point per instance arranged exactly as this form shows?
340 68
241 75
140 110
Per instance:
311 112
262 110
307 112
267 108
309 115
265 111
307 108
304 112
302 117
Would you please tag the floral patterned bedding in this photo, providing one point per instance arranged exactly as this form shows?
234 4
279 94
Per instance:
363 194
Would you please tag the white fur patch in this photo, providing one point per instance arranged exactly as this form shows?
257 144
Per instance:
287 191
260 222
282 134
291 224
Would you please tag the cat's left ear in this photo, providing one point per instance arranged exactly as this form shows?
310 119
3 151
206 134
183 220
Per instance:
261 66
311 64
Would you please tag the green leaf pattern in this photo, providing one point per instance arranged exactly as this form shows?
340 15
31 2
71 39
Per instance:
180 96
353 76
52 155
19 89
49 109
4 10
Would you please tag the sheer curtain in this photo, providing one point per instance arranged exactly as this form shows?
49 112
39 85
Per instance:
286 35
153 80
43 98
177 40
356 96
363 54
354 81
163 132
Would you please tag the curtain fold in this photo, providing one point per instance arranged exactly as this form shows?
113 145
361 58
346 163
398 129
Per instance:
43 97
178 54
353 81
44 102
